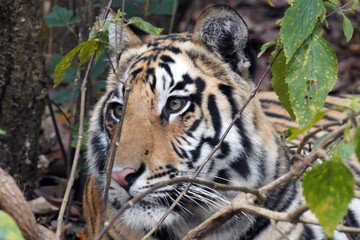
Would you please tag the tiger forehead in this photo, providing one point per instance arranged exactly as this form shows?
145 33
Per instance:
163 50
169 44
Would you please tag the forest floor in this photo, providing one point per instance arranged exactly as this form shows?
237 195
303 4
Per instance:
261 20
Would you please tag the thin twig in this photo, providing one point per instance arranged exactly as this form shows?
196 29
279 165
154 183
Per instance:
190 14
317 130
78 148
217 147
339 8
110 161
147 8
138 8
60 110
175 5
58 137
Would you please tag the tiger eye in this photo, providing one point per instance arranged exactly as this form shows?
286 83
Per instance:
117 110
176 104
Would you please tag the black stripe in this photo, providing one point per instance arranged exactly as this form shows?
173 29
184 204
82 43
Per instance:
241 166
222 177
196 152
270 101
181 85
136 72
100 152
176 151
215 116
167 69
227 91
307 233
167 59
109 237
151 72
350 221
278 116
330 118
259 225
224 150
195 125
165 233
174 49
103 110
200 86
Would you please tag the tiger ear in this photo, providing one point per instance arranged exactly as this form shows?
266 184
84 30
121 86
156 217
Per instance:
221 29
129 37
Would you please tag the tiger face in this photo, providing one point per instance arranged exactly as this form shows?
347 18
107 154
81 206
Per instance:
184 91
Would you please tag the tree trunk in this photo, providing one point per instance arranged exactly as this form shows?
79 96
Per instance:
23 86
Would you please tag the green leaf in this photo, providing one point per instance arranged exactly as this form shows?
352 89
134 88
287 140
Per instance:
100 30
8 228
85 50
298 23
271 3
348 28
345 150
328 190
60 17
311 74
357 142
145 26
2 132
330 5
279 85
264 47
297 131
336 2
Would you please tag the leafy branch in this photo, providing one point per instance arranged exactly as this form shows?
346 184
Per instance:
70 183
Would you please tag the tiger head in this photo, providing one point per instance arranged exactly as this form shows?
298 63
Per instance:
184 91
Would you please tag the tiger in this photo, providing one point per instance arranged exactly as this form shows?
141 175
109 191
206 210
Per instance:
184 90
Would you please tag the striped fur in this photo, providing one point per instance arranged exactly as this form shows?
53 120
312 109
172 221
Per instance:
207 73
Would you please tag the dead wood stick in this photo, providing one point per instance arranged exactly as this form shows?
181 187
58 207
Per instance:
13 202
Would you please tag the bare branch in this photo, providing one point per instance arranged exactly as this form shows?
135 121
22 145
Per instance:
78 148
13 202
242 203
246 203
317 130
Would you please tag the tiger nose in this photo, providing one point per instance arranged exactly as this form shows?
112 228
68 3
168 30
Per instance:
123 177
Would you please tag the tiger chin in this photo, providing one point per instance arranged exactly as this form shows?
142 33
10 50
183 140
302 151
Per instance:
185 91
